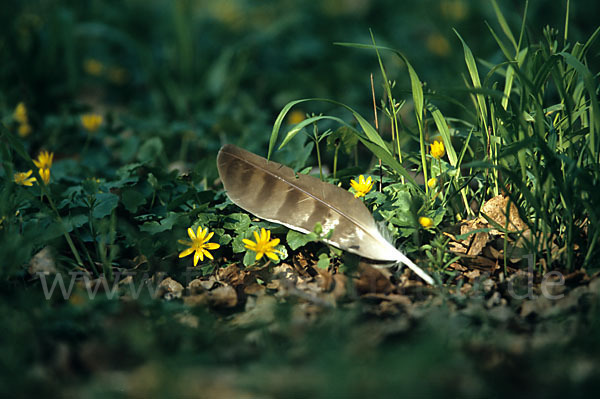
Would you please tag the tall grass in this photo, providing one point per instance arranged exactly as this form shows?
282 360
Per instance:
530 133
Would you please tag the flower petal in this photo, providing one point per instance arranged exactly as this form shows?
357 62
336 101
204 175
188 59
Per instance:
198 256
186 252
191 234
208 254
208 237
272 255
211 245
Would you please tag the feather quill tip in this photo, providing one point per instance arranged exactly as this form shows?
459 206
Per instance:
412 266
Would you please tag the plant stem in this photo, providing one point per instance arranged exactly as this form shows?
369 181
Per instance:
65 232
335 158
316 139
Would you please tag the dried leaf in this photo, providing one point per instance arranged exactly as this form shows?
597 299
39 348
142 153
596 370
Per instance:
169 289
42 262
222 297
372 280
495 209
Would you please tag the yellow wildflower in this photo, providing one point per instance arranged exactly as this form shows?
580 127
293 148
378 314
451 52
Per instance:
23 178
93 67
437 149
20 113
296 117
454 9
198 244
117 75
263 245
45 175
44 160
438 45
425 222
431 183
24 129
362 186
91 122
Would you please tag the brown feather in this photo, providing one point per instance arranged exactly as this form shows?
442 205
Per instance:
276 193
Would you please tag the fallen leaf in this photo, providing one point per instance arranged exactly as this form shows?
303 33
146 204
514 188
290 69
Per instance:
42 262
495 209
371 280
222 297
169 289
232 275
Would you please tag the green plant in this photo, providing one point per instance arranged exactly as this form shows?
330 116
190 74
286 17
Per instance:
531 134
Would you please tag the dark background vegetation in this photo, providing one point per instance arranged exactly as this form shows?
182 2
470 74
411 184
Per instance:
224 69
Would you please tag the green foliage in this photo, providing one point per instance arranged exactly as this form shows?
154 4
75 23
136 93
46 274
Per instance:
536 141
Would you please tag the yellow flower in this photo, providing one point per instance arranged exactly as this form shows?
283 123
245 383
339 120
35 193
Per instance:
93 67
454 9
263 245
117 75
438 45
431 183
20 113
91 122
296 117
199 244
23 178
44 160
437 149
24 129
362 186
425 222
45 175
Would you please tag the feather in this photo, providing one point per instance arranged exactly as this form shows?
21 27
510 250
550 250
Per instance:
276 193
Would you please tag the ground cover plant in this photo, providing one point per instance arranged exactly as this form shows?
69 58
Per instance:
472 137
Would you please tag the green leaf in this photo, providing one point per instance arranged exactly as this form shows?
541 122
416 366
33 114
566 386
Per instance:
442 125
164 224
389 160
104 205
504 24
298 128
238 222
473 72
295 239
249 258
152 150
323 262
369 130
278 122
237 244
224 239
344 136
132 199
